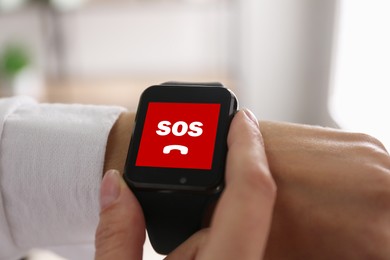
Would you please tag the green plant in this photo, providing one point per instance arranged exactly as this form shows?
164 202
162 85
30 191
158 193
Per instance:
13 59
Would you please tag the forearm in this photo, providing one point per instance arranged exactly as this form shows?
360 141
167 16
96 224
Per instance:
52 158
118 142
332 200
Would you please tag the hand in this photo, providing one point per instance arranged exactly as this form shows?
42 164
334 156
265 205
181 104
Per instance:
121 230
241 221
333 194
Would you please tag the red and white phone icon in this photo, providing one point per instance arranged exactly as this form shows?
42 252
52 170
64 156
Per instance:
183 149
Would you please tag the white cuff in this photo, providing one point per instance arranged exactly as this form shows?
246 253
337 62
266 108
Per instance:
51 163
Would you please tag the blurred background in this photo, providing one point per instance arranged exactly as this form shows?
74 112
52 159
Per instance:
323 62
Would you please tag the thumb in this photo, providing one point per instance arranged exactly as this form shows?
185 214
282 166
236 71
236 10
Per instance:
121 230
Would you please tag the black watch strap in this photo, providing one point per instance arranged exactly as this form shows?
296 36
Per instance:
171 218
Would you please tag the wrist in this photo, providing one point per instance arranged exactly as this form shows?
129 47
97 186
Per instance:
118 142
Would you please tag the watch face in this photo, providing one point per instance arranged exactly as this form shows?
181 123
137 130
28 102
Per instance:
178 135
179 138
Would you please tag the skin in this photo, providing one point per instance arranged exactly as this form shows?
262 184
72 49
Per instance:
333 194
333 199
247 179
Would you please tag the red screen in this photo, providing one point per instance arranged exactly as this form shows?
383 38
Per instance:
179 135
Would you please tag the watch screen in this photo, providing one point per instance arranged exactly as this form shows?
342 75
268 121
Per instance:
179 135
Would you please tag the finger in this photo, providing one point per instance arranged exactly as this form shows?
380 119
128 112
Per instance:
121 230
189 248
242 219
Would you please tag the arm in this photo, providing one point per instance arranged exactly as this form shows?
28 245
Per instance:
51 164
333 196
118 142
322 175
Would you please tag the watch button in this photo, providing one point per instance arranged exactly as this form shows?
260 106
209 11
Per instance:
183 180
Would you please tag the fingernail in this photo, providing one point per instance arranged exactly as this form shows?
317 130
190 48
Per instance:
110 188
251 116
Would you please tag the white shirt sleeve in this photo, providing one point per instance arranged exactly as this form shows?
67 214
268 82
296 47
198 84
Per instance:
51 164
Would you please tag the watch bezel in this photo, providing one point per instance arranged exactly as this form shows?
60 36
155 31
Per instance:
174 179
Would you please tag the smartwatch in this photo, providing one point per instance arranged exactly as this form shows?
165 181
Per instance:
176 160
